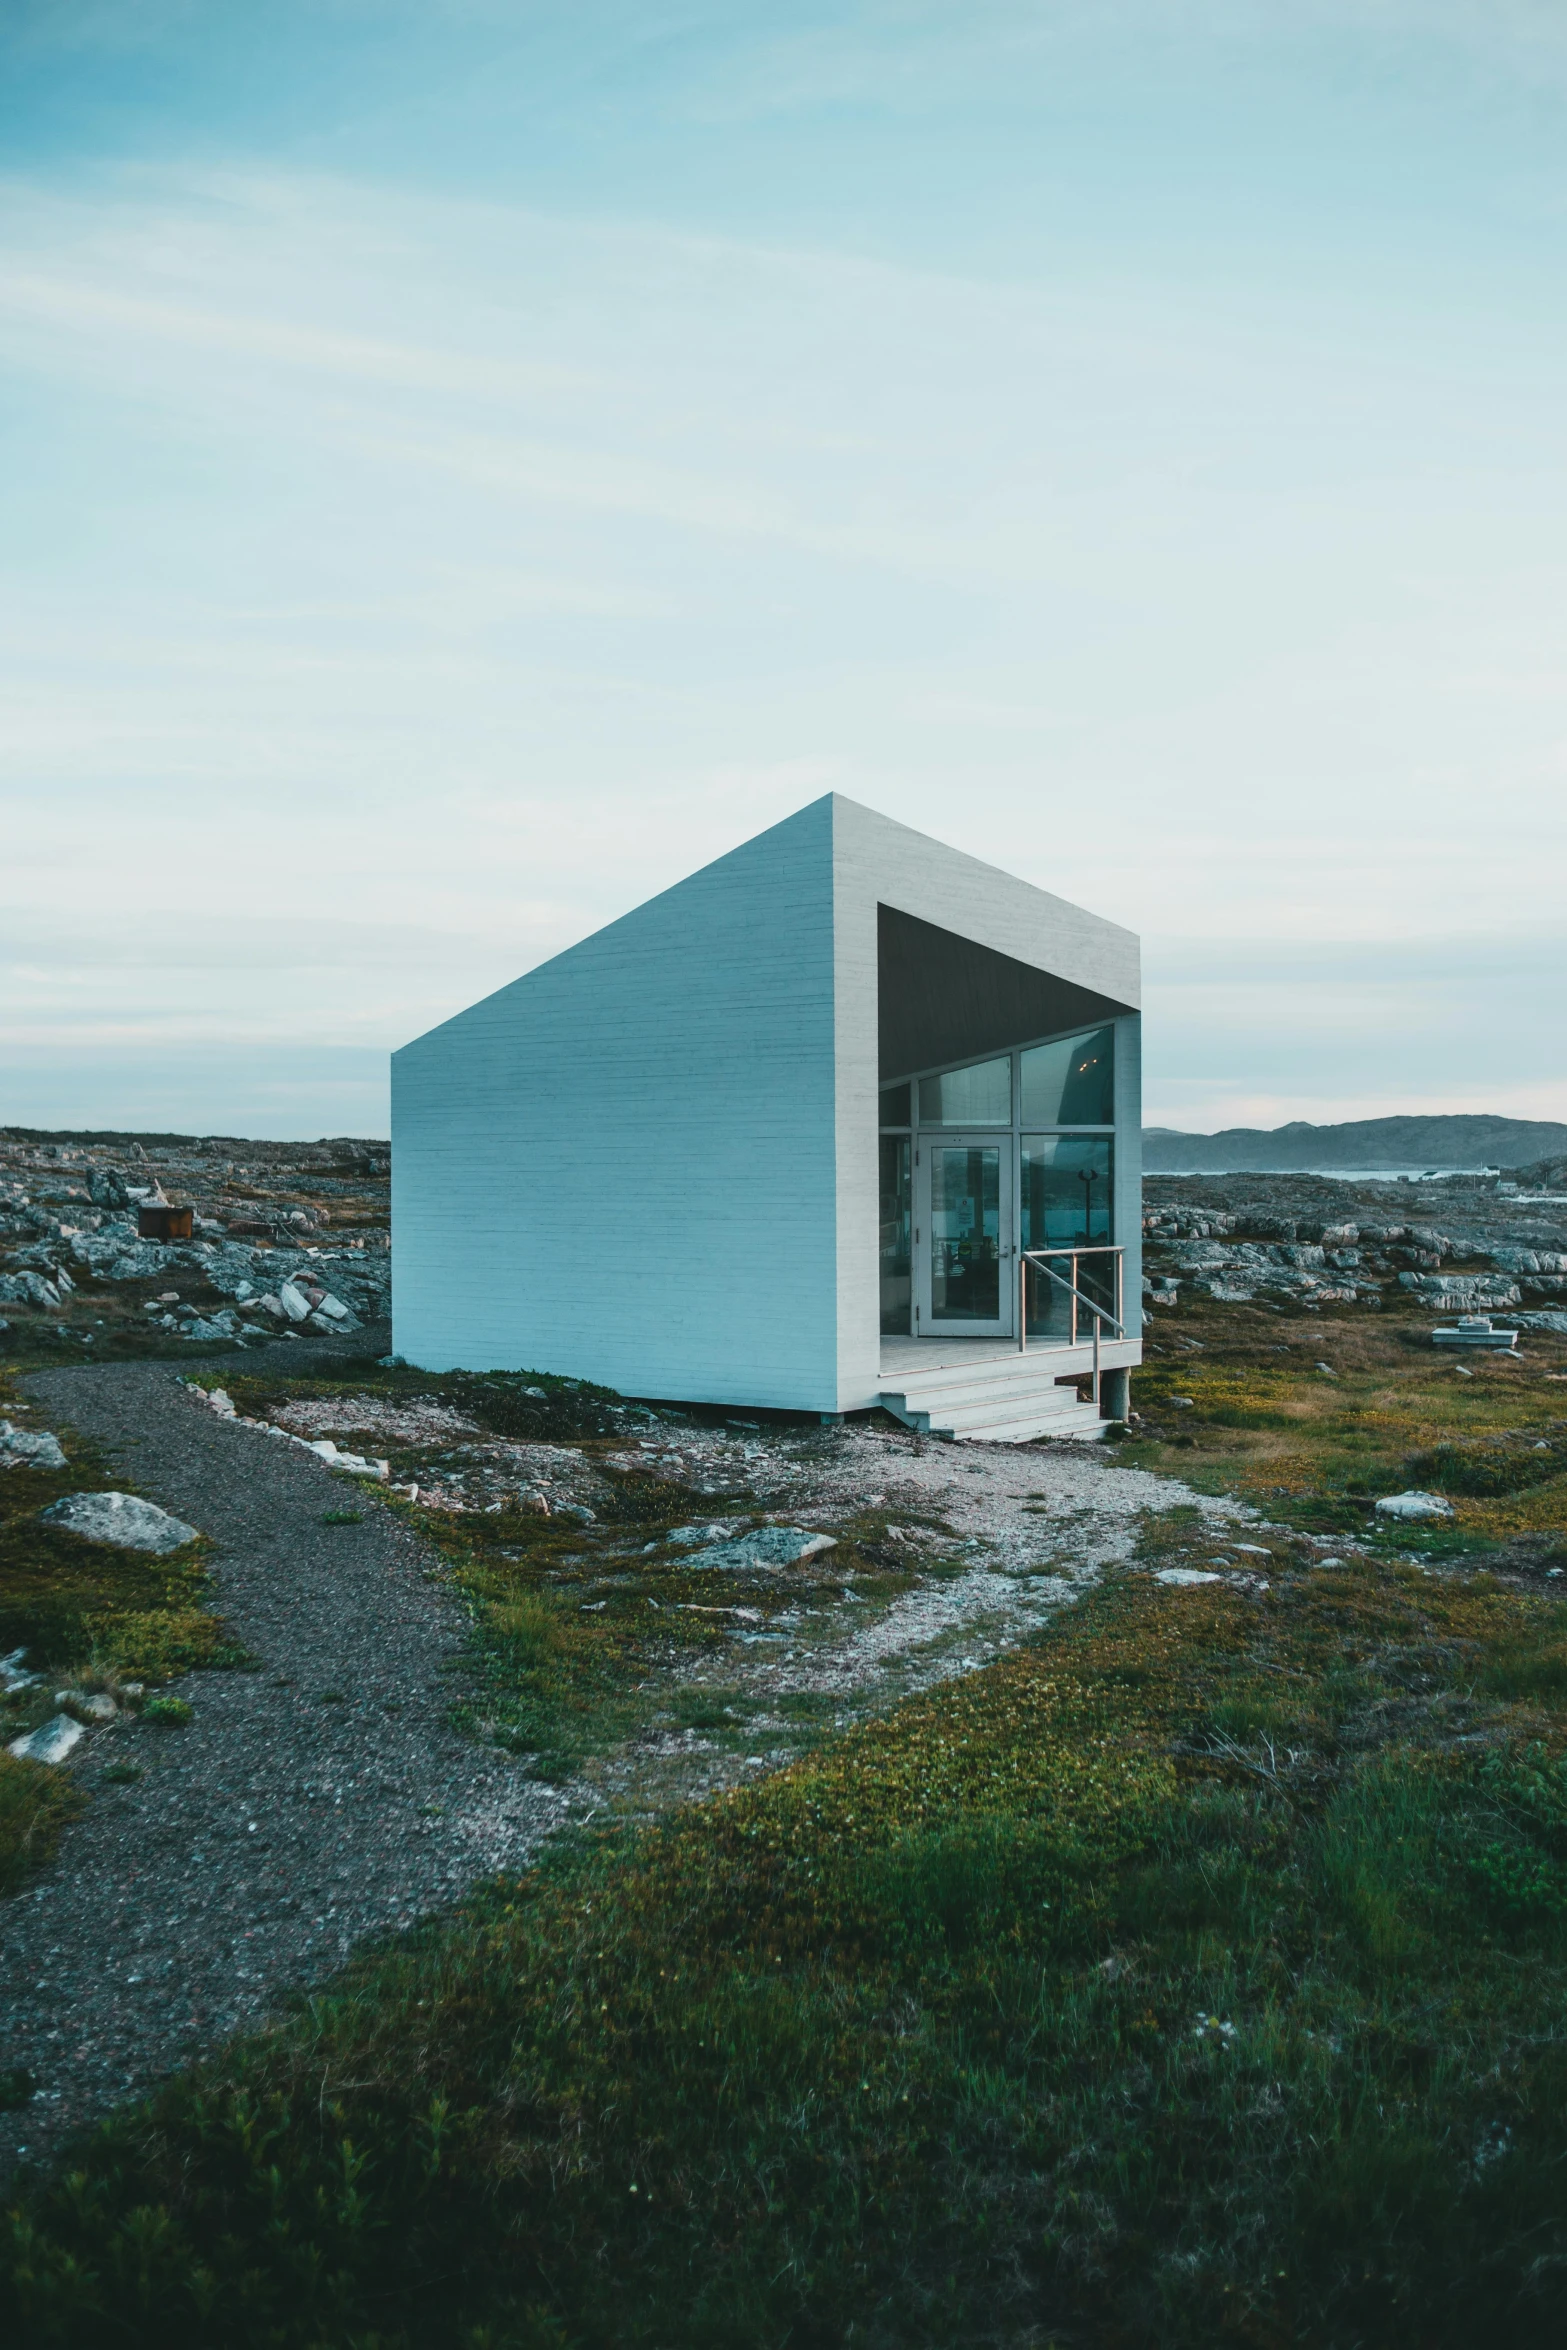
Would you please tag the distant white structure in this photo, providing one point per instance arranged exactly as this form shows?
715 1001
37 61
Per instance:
844 1118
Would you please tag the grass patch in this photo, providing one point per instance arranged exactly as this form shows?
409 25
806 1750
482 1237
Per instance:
82 1612
342 1517
1316 1452
1199 1974
35 1804
167 1713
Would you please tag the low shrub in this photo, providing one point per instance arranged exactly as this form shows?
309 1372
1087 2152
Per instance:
1486 1475
1041 2010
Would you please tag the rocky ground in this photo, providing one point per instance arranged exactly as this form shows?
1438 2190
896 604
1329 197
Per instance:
1461 1244
286 1239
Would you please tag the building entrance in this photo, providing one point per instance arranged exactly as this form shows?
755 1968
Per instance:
984 1161
964 1246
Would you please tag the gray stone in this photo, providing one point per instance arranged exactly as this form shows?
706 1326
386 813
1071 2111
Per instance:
28 1289
1453 1292
51 1742
121 1519
1186 1575
294 1303
1414 1506
87 1705
354 1462
19 1445
14 1675
765 1546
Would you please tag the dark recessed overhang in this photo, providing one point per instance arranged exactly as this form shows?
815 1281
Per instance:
942 998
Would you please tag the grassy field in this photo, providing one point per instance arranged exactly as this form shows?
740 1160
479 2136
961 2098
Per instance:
1312 1416
89 1617
1197 1974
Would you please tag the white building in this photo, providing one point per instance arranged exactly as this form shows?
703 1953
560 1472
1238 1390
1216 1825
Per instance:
803 1131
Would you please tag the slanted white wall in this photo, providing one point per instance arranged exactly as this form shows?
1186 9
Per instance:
623 1166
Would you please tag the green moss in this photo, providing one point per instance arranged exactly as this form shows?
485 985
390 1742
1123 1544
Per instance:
1198 1974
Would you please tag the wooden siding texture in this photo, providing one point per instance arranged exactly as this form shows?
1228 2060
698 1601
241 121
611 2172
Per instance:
621 1167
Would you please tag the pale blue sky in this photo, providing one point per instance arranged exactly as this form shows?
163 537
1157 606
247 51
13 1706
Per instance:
462 466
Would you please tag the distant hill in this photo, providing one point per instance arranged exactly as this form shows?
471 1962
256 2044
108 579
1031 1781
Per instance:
1362 1143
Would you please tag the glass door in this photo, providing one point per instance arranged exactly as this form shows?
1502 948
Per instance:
964 1251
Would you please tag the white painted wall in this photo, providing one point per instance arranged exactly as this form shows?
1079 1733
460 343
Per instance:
621 1167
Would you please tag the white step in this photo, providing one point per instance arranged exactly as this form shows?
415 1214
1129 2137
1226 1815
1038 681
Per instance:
1013 1413
963 1387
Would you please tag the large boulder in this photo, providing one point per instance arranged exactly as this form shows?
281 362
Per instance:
1414 1506
122 1519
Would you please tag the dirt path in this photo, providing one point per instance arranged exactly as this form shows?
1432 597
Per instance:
276 1830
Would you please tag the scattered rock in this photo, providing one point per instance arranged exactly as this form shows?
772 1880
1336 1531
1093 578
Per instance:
29 1289
766 1546
355 1463
1414 1505
14 1676
1186 1575
121 1519
19 1446
295 1305
87 1705
51 1742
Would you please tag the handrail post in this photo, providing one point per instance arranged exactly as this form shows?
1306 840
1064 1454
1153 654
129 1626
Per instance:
1096 1362
1022 1302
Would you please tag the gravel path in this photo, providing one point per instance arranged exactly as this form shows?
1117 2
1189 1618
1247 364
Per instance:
276 1830
1039 1523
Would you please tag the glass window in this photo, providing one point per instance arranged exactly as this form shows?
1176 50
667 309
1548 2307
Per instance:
1067 1182
977 1096
896 1204
1071 1082
894 1105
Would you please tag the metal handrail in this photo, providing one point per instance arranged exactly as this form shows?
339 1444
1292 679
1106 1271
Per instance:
1101 1313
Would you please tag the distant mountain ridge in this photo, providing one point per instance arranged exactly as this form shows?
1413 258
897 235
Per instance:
1360 1143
